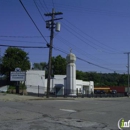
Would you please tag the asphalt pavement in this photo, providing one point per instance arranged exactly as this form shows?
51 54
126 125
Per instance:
19 112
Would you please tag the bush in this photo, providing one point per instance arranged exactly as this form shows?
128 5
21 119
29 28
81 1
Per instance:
22 86
12 88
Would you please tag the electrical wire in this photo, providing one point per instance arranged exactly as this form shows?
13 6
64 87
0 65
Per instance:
41 5
107 47
53 4
113 49
85 60
64 51
80 58
94 64
45 5
32 20
82 9
21 41
60 50
23 46
38 10
81 37
21 36
77 48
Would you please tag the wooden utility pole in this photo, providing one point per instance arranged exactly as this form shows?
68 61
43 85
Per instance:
51 25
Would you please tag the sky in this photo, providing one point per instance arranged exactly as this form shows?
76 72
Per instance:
97 31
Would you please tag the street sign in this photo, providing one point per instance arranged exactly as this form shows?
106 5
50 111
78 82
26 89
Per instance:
17 76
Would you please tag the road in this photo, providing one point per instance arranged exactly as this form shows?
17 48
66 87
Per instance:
77 114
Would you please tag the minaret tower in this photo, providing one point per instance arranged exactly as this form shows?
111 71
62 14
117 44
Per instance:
71 74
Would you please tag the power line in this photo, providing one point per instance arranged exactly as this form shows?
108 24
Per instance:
99 66
89 35
60 50
81 37
63 41
53 4
94 64
38 10
21 41
23 46
45 5
105 46
22 36
32 21
80 50
40 4
83 9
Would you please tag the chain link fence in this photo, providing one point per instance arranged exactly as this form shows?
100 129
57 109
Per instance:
63 92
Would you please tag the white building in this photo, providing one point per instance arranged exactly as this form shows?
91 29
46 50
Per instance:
36 82
60 84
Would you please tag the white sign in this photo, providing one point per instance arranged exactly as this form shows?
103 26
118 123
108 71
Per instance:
17 76
17 69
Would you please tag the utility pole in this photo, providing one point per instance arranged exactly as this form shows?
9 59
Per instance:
128 73
51 25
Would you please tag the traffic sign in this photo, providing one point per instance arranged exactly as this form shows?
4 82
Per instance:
17 76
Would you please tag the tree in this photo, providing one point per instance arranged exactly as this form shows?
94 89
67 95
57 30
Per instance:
40 66
13 58
59 65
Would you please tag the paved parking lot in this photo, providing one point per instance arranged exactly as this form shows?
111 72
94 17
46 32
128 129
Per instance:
32 113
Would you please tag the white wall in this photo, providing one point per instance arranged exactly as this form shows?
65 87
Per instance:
79 85
88 86
57 81
35 78
4 88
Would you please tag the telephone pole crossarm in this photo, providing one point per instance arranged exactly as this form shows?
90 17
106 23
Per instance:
55 13
54 19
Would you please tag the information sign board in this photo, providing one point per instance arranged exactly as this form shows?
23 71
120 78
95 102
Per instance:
17 76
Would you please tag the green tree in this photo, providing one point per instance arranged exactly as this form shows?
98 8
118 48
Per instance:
103 79
13 58
40 66
80 75
59 65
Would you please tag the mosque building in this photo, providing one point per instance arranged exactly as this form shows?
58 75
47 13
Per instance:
59 84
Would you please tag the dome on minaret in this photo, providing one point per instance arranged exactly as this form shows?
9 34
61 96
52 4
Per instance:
71 58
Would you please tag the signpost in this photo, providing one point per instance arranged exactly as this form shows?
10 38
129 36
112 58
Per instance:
17 75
